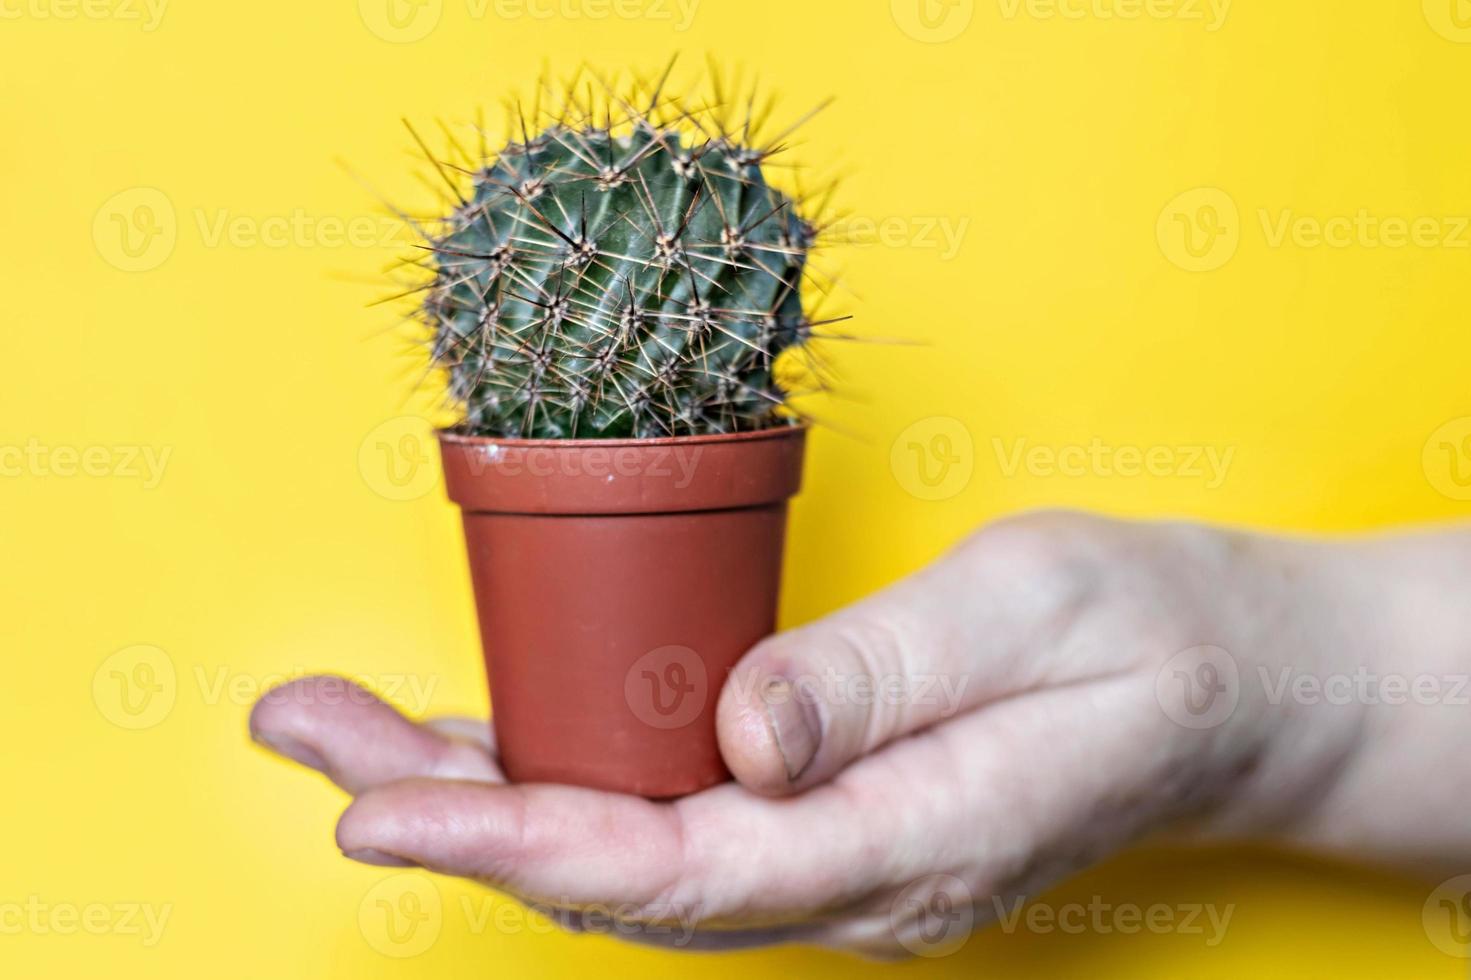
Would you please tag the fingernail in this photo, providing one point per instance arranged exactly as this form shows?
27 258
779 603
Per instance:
794 725
368 855
293 750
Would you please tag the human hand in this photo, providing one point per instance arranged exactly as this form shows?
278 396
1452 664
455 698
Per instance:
910 765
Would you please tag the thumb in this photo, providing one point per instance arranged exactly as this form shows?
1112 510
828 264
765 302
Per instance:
978 625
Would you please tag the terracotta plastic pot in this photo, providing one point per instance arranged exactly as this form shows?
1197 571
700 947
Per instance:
618 581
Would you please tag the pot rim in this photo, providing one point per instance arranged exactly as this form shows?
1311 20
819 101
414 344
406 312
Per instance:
673 474
624 442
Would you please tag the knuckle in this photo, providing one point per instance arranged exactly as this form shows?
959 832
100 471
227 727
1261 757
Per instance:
1054 523
1059 546
862 656
870 645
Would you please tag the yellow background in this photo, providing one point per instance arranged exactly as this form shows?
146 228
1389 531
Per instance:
1067 314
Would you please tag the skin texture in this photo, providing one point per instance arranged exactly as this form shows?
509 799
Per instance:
1040 724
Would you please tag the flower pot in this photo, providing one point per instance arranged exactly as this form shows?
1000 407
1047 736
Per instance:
617 582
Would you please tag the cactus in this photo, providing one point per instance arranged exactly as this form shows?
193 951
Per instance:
628 277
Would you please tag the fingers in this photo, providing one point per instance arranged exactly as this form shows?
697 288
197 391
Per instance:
987 621
998 802
723 855
358 741
476 731
561 845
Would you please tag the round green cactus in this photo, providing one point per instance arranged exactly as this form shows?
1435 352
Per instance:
614 280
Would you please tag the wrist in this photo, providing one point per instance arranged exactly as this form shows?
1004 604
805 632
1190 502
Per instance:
1366 695
1299 625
